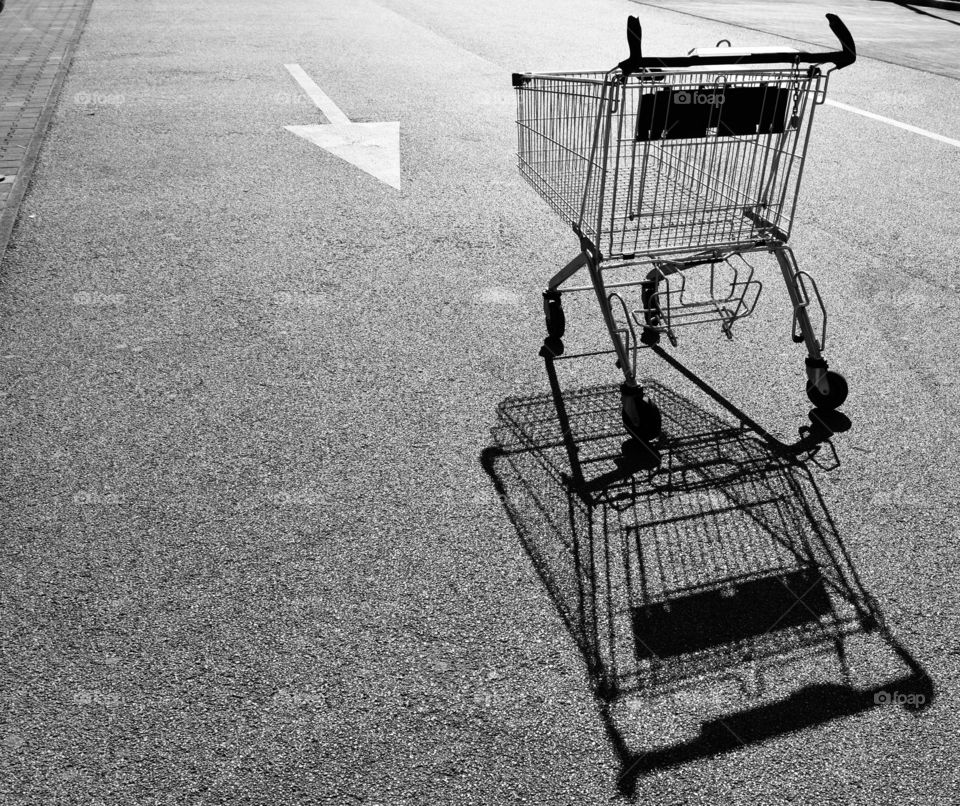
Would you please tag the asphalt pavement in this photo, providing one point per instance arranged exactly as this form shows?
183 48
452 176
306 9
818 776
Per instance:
256 547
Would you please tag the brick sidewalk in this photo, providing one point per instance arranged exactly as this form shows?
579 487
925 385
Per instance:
37 40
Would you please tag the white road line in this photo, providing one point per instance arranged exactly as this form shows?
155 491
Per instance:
317 95
897 123
372 146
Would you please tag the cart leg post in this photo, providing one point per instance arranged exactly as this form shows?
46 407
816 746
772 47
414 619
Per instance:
568 271
826 389
622 349
640 416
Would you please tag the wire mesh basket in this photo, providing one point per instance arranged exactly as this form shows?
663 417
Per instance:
669 161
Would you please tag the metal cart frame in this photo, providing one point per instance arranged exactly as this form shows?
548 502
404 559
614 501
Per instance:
668 166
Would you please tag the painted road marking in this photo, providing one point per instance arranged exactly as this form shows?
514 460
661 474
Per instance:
320 99
897 123
371 147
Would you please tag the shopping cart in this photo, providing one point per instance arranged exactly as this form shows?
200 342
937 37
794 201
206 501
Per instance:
678 169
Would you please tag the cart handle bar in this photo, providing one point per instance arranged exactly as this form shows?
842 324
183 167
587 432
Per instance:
841 58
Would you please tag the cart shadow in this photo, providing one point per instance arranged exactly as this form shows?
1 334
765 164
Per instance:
713 600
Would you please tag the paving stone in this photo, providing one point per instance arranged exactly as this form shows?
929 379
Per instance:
37 39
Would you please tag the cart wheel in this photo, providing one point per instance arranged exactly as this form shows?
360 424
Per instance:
553 314
639 455
552 347
641 418
834 397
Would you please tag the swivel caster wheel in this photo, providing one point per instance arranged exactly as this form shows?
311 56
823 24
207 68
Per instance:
835 395
552 347
638 455
641 418
553 314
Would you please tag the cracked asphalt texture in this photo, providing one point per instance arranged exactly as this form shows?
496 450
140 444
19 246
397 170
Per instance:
249 552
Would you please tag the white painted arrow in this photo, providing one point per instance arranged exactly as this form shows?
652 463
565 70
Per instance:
372 147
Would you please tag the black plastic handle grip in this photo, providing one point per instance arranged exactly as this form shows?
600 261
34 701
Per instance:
841 58
841 32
